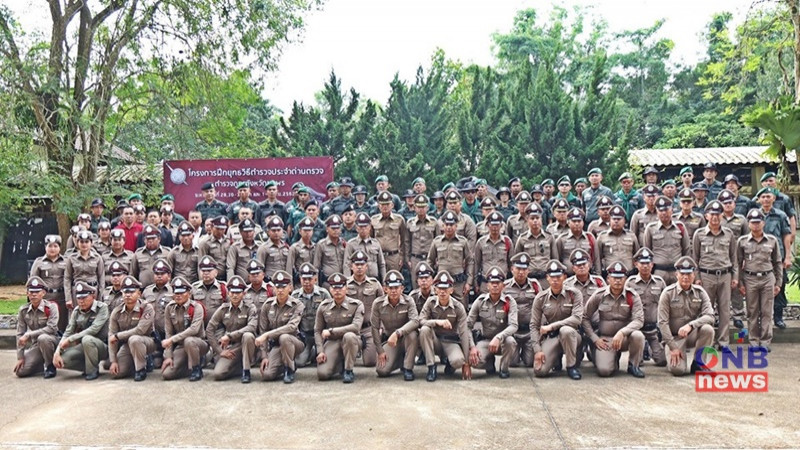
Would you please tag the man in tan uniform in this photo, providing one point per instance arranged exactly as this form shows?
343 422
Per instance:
465 226
273 253
83 345
184 257
497 314
241 252
420 233
523 290
649 288
235 348
588 284
668 240
278 323
641 218
336 331
209 291
50 268
364 289
257 291
390 230
329 252
444 332
738 224
537 244
492 250
311 295
117 252
184 344
453 253
616 244
714 249
84 264
376 267
685 318
760 277
144 257
686 215
575 239
37 324
301 251
603 221
216 245
517 224
394 323
129 340
112 296
560 225
619 321
556 315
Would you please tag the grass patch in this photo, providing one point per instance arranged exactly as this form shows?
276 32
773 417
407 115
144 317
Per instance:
793 293
12 306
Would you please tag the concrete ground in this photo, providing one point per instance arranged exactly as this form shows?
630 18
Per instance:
522 412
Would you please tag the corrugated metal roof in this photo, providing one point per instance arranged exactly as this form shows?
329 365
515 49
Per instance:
131 173
700 156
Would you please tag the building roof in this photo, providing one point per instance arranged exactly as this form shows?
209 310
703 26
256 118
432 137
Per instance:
131 173
700 156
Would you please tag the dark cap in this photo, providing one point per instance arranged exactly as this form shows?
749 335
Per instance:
408 193
297 185
643 255
117 234
331 185
56 239
579 256
537 189
503 191
617 212
487 203
575 214
726 196
700 186
281 278
438 195
393 278
117 268
663 203
714 207
98 202
206 187
650 169
625 176
423 270
767 176
236 284
548 182
363 220
617 270
533 209
495 275
710 165
453 197
247 225
334 222
359 257
449 218
348 208
346 181
131 284
495 218
555 268
755 215
443 280
384 197
308 271
35 284
360 189
207 263
306 224
84 235
243 185
512 180
185 229
564 179
685 264
560 205
337 280
524 197
469 186
275 223
168 197
594 170
650 189
380 178
104 225
309 203
421 200
83 289
161 266
731 177
686 194
220 222
604 202
180 285
255 266
521 260
151 232
766 190
83 217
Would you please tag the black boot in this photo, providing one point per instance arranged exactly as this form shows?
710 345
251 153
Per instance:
92 375
149 365
288 376
431 373
505 374
348 377
197 373
490 369
646 355
574 372
635 371
408 374
140 375
448 369
245 376
420 360
50 371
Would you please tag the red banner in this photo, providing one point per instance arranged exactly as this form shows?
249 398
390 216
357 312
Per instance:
184 178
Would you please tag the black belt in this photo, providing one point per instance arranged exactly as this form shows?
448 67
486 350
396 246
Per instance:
524 328
650 326
418 256
55 291
366 324
460 277
390 252
537 275
664 267
91 283
757 274
717 272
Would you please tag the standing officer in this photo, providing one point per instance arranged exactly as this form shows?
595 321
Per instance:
620 318
737 223
244 201
497 313
370 246
537 244
216 245
117 251
714 249
258 291
649 288
465 225
588 284
627 197
394 324
236 348
144 257
129 340
777 224
208 291
424 274
184 257
453 253
523 290
517 224
83 344
420 232
50 268
556 315
364 289
112 296
336 331
575 239
492 250
210 207
37 324
184 344
686 215
329 252
710 179
685 318
271 206
311 296
647 215
593 193
345 198
758 256
301 251
241 252
86 265
444 331
732 185
559 226
616 244
603 222
274 253
278 323
667 239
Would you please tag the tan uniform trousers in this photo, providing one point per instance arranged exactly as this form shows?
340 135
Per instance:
402 354
566 343
133 355
85 356
185 356
369 354
737 305
698 338
656 348
338 352
524 356
393 261
39 354
244 352
607 361
758 291
669 276
508 348
432 346
719 292
282 356
308 355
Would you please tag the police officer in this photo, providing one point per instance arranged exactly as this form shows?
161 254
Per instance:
241 252
559 226
616 244
274 253
710 179
258 291
685 318
647 215
361 205
517 224
588 284
271 206
210 207
603 222
564 191
83 344
50 269
382 185
452 253
407 211
649 288
420 232
129 340
619 320
492 250
627 197
497 314
738 224
777 224
143 258
376 266
701 199
470 204
465 226
112 296
390 230
686 215
758 256
539 199
184 343
487 208
714 250
394 324
336 330
345 198
593 193
103 242
505 205
301 251
311 209
216 246
523 290
184 257
329 252
208 290
537 244
349 230
668 240
244 201
278 323
444 331
117 252
555 317
364 289
235 347
84 264
37 325
311 296
732 185
576 239
326 208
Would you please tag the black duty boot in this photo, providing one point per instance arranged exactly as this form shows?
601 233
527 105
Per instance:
245 376
197 373
420 360
505 374
140 375
431 373
408 374
491 370
149 364
349 376
738 323
288 376
92 375
635 371
448 369
574 372
50 371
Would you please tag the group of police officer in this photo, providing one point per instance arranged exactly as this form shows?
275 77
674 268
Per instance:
471 278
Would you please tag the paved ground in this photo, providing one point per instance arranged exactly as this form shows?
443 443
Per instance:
522 412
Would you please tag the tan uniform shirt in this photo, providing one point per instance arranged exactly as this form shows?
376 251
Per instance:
184 263
89 269
568 242
693 222
516 225
616 248
209 295
453 255
557 229
715 251
51 272
540 248
390 232
258 297
239 256
677 308
365 291
420 235
562 310
142 263
759 256
159 298
273 256
329 257
311 303
34 322
498 319
598 226
339 319
640 219
588 287
217 249
376 264
183 321
667 243
125 323
275 320
650 292
124 258
385 319
524 295
420 298
737 224
112 297
616 314
489 253
456 314
235 321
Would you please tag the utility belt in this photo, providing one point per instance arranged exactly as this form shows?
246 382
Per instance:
757 274
55 291
390 252
664 267
537 275
450 338
91 283
418 256
717 272
650 326
552 334
460 278
526 328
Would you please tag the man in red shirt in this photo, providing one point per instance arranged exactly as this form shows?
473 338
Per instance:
130 227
